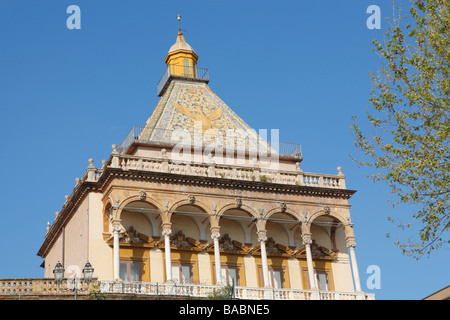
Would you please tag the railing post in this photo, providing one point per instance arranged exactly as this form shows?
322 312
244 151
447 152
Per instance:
91 171
341 178
299 177
115 157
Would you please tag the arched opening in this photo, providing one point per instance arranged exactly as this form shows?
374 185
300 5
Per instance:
140 221
188 223
191 219
238 224
281 227
236 227
142 216
327 231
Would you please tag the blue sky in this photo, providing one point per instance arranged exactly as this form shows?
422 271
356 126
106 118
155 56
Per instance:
298 66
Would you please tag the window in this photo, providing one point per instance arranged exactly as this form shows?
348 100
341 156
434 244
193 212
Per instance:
276 277
182 272
322 280
230 274
130 270
187 68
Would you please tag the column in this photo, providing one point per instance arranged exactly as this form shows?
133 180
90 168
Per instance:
116 252
312 279
262 238
166 234
215 235
351 244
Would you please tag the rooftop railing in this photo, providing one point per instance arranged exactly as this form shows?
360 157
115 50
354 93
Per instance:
246 143
181 72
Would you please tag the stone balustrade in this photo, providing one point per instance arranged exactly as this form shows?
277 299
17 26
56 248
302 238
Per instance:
40 286
46 288
245 293
254 173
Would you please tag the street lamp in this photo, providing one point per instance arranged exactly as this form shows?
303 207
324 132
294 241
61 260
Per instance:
88 271
58 272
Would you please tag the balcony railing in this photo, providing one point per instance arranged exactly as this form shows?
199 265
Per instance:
181 72
246 293
249 144
45 287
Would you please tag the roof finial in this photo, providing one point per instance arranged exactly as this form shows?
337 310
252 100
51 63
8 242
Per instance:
179 22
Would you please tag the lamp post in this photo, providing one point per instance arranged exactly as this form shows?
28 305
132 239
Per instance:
88 271
58 273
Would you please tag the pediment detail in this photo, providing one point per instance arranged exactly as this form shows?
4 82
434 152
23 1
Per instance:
317 252
132 236
273 247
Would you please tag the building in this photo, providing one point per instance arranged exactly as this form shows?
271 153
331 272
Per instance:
442 294
195 199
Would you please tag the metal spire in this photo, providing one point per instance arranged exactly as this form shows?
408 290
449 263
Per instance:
179 22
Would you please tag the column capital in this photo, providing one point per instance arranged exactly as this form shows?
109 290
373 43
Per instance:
215 232
350 242
116 229
307 238
262 235
166 232
215 235
166 226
